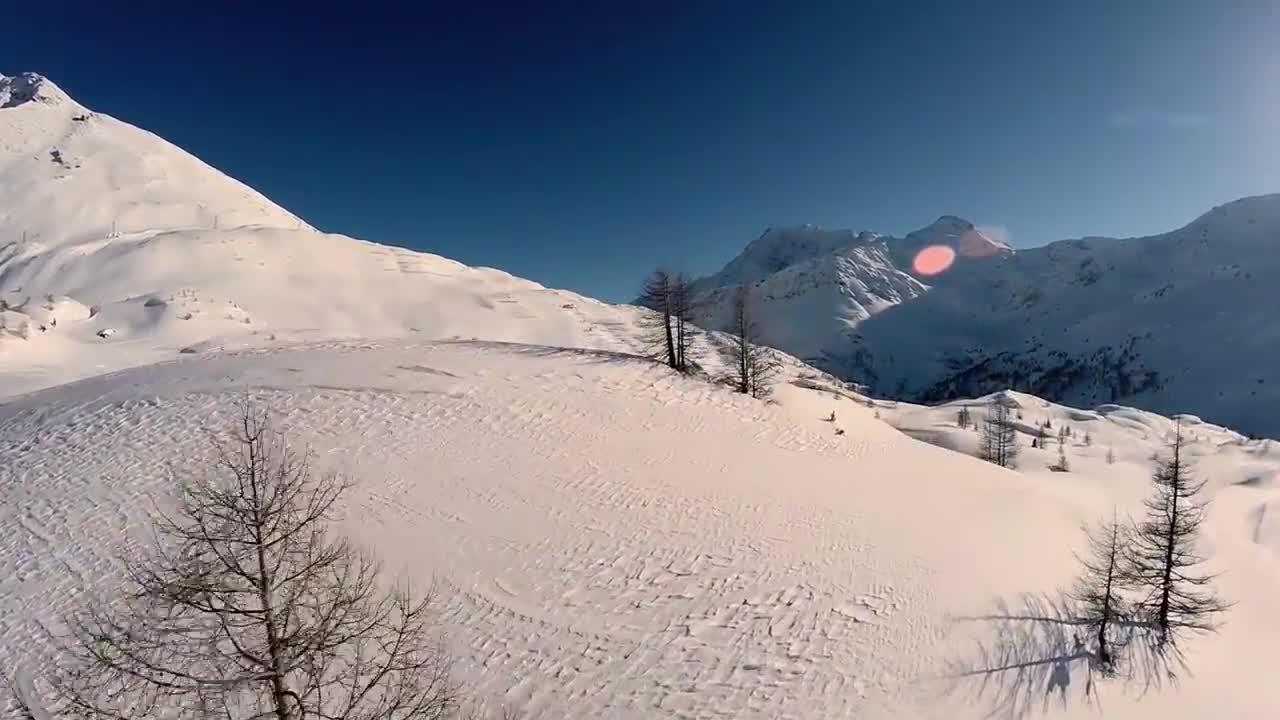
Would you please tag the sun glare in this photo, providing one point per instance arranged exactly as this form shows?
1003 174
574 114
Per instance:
933 260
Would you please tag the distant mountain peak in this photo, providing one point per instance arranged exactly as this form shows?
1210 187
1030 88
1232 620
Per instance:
778 248
1257 210
951 221
29 87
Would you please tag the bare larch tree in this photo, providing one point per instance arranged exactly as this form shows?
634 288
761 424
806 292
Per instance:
248 608
1099 594
659 336
999 436
669 330
1163 560
682 309
755 367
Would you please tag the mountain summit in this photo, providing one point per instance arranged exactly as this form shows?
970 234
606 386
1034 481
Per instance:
29 87
73 176
815 286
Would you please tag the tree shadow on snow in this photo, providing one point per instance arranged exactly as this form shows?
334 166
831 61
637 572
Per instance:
1033 655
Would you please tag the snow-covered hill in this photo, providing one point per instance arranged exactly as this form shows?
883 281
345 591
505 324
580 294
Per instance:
118 248
614 540
73 177
1180 322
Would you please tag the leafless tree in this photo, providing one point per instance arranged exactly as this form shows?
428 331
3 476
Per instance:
684 331
1163 560
999 436
669 331
1111 456
963 419
657 326
755 367
1099 594
247 607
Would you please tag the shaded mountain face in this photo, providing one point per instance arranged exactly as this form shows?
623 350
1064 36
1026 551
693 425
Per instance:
1178 322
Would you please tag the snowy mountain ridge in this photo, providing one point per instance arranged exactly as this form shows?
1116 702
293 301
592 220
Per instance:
118 249
73 176
1086 321
815 286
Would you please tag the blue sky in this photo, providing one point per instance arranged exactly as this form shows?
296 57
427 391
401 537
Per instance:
579 144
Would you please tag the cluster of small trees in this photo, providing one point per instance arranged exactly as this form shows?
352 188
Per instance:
670 334
247 607
1143 585
999 443
670 330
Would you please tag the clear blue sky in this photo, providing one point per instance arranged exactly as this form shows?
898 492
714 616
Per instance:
578 144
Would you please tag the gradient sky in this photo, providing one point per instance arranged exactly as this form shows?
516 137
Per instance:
579 144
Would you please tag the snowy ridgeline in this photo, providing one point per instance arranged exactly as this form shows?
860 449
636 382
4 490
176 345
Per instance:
1084 322
119 249
613 539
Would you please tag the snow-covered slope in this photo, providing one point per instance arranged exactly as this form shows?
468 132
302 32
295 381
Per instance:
1180 322
118 248
73 177
814 286
613 540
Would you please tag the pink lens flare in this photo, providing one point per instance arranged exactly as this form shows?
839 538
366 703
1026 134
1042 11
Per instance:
933 260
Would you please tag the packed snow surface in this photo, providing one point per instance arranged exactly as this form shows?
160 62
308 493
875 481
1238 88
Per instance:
614 540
